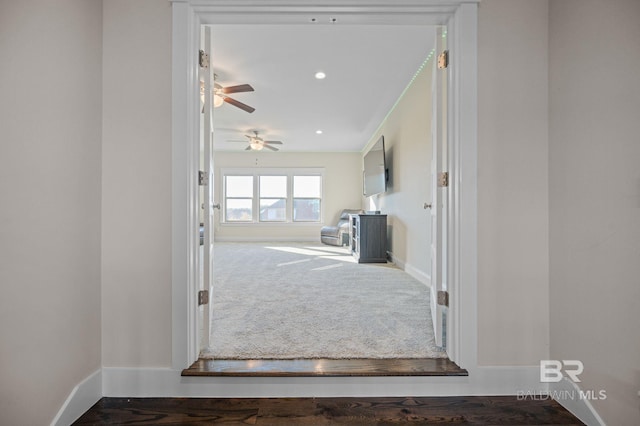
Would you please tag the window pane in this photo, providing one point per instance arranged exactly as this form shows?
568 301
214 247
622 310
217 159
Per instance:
306 210
239 186
307 186
273 187
239 210
272 209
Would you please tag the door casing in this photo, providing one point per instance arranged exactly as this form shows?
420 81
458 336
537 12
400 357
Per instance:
460 17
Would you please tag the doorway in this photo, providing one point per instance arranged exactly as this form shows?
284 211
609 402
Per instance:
461 263
401 110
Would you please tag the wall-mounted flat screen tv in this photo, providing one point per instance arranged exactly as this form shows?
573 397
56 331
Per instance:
375 169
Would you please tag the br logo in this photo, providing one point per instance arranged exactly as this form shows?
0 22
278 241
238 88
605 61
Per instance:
551 370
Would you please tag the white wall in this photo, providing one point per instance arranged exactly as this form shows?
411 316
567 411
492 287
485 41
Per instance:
136 184
513 257
407 137
595 197
342 190
50 124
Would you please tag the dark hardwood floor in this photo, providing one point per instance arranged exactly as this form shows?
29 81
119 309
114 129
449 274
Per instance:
326 367
476 410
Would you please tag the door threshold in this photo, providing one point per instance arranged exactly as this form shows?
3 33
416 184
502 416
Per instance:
324 367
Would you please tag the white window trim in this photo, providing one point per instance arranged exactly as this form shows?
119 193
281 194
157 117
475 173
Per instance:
224 198
256 172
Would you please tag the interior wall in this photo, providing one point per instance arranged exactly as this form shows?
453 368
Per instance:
513 165
136 183
50 125
407 138
595 198
513 284
136 295
593 211
342 188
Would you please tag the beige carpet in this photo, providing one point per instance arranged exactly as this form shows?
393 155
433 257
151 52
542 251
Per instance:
305 300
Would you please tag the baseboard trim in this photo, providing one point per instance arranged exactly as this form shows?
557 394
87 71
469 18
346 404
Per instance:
395 260
568 394
166 382
419 275
416 273
83 396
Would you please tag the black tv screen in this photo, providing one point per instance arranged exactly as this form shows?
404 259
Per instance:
375 169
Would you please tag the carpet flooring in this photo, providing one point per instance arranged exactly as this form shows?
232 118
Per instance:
305 300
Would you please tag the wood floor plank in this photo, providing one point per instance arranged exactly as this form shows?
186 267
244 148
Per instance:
474 410
326 367
165 411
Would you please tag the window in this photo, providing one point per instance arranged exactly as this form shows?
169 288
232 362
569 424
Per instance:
306 198
238 198
273 198
272 195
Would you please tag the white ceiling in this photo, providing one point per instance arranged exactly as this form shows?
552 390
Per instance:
367 68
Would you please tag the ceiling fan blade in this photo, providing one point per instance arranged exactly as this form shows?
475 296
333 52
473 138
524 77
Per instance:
237 89
216 85
270 147
239 104
248 148
236 141
274 142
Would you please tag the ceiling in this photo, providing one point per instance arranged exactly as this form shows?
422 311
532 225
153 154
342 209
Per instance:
367 67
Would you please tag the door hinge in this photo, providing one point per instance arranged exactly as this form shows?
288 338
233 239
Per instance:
203 297
443 298
203 59
203 178
443 60
443 179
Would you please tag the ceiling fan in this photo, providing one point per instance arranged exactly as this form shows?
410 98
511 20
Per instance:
256 143
220 95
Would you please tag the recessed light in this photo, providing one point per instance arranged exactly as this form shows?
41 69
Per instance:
318 132
320 75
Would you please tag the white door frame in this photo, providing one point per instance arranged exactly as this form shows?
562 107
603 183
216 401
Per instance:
437 210
461 19
206 162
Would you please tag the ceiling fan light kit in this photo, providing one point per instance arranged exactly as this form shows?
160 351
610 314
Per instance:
217 100
256 146
222 92
256 143
220 95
